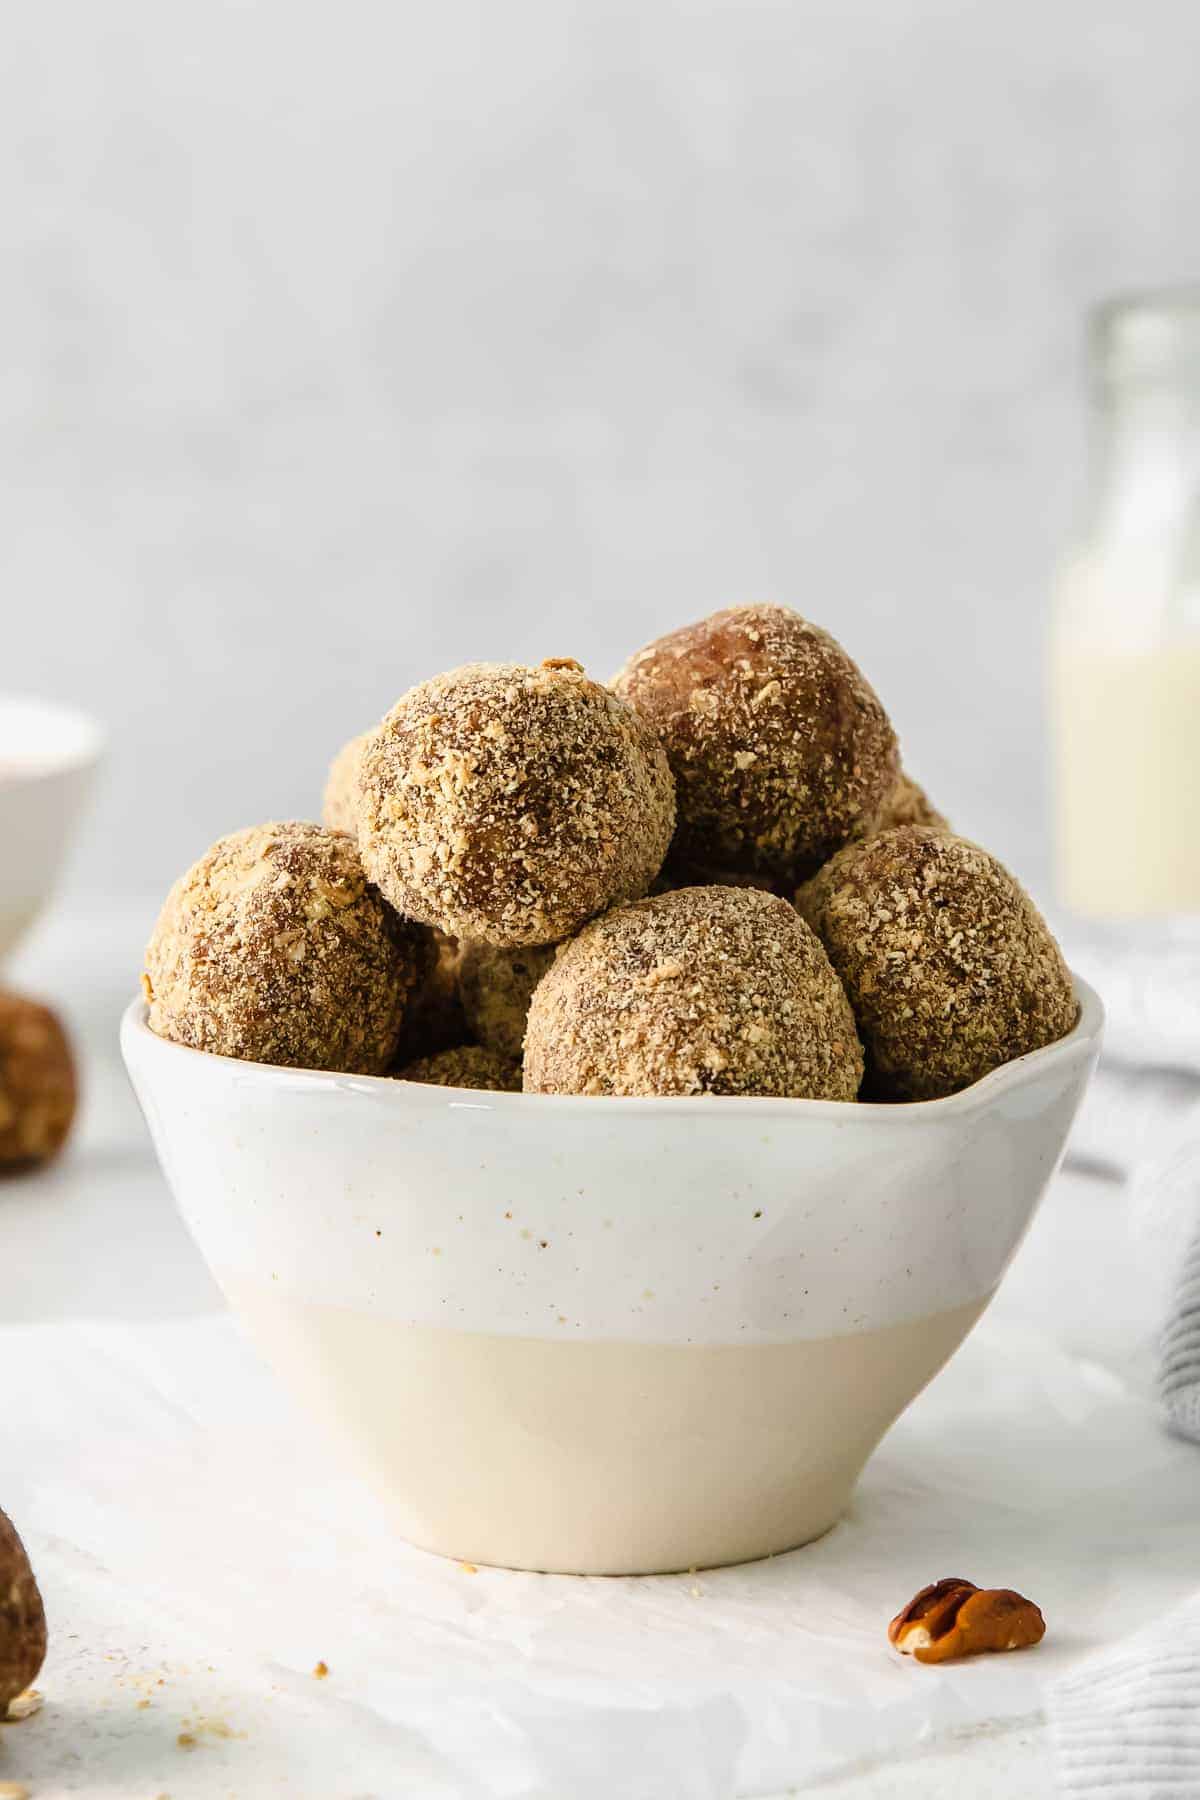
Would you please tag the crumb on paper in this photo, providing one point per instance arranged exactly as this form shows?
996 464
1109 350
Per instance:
468 1568
185 1741
25 1705
321 1671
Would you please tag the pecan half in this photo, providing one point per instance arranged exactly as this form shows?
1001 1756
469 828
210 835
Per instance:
955 1618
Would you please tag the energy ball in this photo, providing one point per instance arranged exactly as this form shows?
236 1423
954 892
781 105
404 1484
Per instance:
950 968
907 803
338 807
496 987
37 1083
779 746
469 1066
274 947
706 990
510 804
680 875
434 1020
22 1618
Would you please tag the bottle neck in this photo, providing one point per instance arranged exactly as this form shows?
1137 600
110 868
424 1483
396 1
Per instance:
1146 481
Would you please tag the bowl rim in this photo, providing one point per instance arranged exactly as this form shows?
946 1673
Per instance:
1081 1042
79 739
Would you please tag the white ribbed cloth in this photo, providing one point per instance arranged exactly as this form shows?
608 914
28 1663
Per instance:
1142 1122
1143 1126
1126 1726
1179 1367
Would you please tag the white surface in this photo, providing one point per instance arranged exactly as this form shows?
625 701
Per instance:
185 1527
344 343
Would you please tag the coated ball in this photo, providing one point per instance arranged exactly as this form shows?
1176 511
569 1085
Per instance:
780 748
509 804
704 990
275 947
37 1083
467 1066
340 800
950 968
495 987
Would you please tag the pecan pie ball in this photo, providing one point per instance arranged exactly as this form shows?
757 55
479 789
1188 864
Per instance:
906 803
435 1019
780 748
509 804
705 990
338 807
950 968
22 1621
275 947
37 1083
467 1066
495 987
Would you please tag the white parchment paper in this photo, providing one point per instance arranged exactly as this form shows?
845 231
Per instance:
200 1556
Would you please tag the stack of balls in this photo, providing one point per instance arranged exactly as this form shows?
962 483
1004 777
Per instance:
711 877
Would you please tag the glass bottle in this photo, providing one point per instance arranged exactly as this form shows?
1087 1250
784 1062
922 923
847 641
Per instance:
1127 636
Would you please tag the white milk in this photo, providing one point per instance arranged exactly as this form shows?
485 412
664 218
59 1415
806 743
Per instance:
1128 734
1125 681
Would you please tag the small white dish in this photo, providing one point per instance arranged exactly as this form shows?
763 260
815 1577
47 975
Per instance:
603 1335
47 757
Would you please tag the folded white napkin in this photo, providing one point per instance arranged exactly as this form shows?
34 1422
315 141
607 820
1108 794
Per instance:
1179 1373
1142 1124
1126 1725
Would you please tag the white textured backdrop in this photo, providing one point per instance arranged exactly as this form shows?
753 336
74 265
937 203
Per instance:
341 343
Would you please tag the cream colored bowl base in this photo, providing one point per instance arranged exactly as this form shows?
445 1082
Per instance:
592 1457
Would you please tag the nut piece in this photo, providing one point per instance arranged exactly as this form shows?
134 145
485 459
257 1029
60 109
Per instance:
22 1618
954 1618
511 804
37 1083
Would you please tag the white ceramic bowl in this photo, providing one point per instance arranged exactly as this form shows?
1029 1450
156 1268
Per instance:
47 756
604 1336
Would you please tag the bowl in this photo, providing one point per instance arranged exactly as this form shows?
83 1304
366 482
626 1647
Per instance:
604 1336
47 756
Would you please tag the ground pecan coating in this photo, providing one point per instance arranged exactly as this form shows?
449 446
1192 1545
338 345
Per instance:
704 990
275 947
495 987
467 1066
510 804
780 748
339 805
950 968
